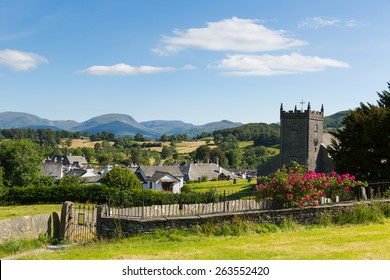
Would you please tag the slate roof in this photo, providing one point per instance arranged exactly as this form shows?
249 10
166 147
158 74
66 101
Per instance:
76 172
150 170
52 169
80 159
88 175
158 175
193 171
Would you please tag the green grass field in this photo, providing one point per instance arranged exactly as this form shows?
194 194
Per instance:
362 242
8 212
221 186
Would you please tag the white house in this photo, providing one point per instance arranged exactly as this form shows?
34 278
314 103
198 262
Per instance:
161 178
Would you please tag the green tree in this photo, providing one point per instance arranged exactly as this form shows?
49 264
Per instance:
234 157
384 98
217 155
136 154
218 138
122 179
139 137
71 181
202 153
88 153
21 162
166 152
104 158
362 146
1 177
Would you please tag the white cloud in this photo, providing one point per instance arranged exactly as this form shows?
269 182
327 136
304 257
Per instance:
235 34
268 65
320 22
20 61
124 69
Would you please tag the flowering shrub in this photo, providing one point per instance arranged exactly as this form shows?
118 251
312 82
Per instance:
298 187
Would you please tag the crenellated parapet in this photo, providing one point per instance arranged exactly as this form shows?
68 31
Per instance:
299 114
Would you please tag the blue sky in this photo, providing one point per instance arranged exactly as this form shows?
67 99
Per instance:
195 60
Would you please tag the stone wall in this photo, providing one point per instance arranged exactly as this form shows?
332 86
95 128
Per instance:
28 227
110 226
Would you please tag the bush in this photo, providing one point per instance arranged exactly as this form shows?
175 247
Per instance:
360 214
297 187
186 189
93 193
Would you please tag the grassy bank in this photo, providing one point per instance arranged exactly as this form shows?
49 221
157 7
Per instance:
8 212
221 186
287 241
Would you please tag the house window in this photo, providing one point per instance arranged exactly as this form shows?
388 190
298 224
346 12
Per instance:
316 128
151 185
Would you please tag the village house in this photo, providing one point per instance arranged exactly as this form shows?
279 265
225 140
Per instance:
54 170
88 174
161 178
210 171
60 165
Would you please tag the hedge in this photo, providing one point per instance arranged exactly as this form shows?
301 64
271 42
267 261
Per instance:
98 193
90 193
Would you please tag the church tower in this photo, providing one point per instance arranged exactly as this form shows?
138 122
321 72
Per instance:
301 134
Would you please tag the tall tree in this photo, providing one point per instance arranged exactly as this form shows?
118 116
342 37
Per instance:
122 179
202 153
362 146
21 162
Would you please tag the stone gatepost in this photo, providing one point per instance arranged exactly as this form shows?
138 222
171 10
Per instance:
56 225
67 219
99 210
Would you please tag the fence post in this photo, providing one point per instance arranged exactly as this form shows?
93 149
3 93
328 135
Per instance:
99 210
224 201
143 205
109 205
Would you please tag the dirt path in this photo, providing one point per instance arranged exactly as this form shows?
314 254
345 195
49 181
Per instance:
49 248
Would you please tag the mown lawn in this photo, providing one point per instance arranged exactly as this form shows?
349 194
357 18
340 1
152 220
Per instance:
362 242
8 212
221 186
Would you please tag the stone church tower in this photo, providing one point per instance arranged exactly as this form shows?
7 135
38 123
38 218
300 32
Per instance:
301 134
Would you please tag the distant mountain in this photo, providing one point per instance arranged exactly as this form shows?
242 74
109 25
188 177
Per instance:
211 127
119 124
25 120
105 119
167 127
65 125
121 129
334 121
179 127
